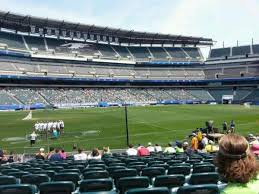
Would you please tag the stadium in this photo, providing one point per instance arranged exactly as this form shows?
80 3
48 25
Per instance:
111 88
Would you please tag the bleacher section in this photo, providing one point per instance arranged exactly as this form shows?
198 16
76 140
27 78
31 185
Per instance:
239 94
27 96
219 53
35 42
66 47
234 52
192 52
176 53
115 174
13 41
241 50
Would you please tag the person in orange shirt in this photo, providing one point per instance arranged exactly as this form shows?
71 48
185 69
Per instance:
194 142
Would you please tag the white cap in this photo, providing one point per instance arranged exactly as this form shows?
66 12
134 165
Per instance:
149 143
41 149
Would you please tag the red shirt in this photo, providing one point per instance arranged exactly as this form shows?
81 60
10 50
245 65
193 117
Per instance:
143 152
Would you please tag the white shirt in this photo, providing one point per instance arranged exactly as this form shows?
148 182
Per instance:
205 141
158 148
132 152
169 150
151 148
33 136
90 157
81 156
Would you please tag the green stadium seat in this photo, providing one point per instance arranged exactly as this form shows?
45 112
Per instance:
8 180
35 179
169 181
55 168
111 169
198 189
7 171
204 178
181 169
90 185
139 167
76 166
127 183
165 166
153 190
59 187
173 162
75 170
70 176
155 162
18 174
89 169
117 174
96 174
93 161
136 163
203 168
50 173
31 170
152 172
18 189
117 164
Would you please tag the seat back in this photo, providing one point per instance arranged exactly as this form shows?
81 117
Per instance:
197 189
204 178
35 179
59 187
153 171
18 189
7 171
127 183
7 180
70 176
96 185
203 168
96 174
111 169
169 180
18 174
153 190
183 169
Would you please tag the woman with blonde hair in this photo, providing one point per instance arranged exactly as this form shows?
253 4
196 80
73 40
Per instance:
237 165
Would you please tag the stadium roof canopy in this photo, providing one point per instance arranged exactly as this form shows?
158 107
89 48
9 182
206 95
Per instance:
24 23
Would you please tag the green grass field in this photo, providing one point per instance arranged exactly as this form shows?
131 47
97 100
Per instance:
98 127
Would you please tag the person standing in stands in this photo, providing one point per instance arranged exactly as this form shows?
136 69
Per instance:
194 142
237 165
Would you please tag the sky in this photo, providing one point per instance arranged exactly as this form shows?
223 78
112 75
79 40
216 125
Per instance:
221 20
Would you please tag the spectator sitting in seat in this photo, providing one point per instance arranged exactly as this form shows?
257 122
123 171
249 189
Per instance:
204 139
95 155
143 151
51 151
187 150
169 149
150 147
252 139
237 165
210 147
63 154
81 155
106 151
56 156
158 148
40 154
179 147
131 151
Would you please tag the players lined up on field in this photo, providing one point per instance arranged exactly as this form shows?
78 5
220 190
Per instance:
49 126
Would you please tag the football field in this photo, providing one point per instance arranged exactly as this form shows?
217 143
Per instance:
98 127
